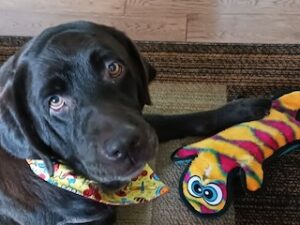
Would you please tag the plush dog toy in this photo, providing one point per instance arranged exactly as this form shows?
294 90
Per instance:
240 150
143 188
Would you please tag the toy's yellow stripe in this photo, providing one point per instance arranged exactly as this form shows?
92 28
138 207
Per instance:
291 101
280 117
252 184
224 148
277 136
295 128
242 157
234 134
254 178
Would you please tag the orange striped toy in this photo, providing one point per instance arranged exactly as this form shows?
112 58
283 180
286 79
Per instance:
205 184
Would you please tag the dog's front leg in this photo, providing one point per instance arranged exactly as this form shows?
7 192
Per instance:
208 122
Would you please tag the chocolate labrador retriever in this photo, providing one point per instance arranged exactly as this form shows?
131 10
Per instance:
76 93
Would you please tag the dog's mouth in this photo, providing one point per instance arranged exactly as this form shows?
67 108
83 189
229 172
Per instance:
113 175
124 180
130 168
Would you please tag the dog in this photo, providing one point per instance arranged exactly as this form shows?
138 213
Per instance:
76 93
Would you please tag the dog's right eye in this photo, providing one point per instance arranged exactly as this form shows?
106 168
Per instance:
56 102
115 69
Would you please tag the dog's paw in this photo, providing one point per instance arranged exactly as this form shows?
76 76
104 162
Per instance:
247 109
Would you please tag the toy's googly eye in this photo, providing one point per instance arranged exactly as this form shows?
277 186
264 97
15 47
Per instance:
212 194
195 187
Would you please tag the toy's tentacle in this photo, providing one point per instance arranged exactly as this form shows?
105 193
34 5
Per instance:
254 178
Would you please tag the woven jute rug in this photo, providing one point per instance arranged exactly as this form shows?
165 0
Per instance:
194 77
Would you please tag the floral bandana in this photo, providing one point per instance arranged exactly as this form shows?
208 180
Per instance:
143 188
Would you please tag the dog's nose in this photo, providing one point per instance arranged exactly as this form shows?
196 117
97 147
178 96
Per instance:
121 145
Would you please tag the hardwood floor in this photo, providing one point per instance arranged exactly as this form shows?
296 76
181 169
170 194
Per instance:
244 28
260 21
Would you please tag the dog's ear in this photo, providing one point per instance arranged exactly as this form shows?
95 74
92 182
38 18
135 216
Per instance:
18 135
150 70
148 73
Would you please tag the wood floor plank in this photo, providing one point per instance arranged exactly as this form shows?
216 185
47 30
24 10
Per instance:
273 21
138 28
61 6
171 7
244 28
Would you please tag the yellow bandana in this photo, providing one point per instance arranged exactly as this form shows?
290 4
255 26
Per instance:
143 188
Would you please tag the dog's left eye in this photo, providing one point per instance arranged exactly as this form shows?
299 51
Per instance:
56 102
115 69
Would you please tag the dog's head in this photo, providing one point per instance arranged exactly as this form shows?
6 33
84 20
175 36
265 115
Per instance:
75 93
